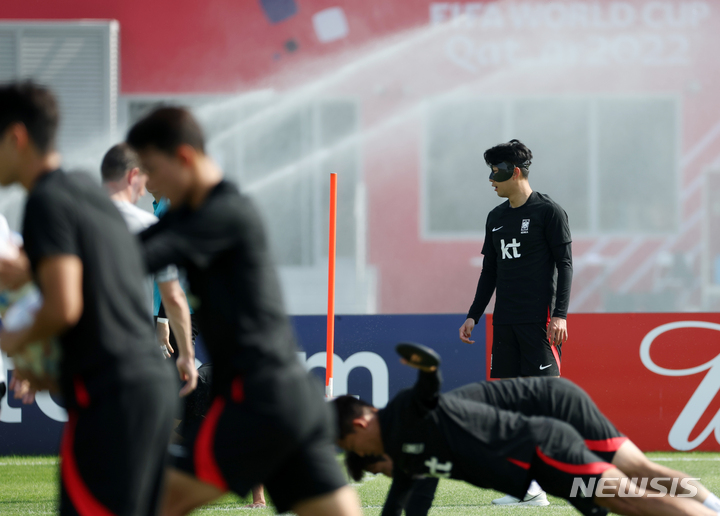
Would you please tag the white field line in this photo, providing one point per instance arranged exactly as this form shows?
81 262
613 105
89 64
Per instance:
685 459
369 477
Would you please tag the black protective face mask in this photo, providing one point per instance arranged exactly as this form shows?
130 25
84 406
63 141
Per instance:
503 173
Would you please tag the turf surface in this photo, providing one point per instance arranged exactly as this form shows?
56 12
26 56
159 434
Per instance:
28 485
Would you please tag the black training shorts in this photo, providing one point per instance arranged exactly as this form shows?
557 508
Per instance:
523 350
562 462
569 403
286 445
113 452
551 397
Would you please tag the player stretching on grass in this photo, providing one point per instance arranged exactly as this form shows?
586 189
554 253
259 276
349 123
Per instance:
560 399
268 423
119 393
451 436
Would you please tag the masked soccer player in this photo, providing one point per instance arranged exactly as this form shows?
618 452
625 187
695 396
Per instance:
119 393
268 424
528 261
452 436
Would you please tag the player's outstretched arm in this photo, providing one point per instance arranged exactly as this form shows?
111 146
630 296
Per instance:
398 495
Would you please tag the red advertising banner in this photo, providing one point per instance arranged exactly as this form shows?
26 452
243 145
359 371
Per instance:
655 376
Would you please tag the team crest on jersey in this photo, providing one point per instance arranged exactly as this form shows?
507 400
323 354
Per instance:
413 448
525 227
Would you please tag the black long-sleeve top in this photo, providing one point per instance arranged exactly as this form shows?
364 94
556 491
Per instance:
528 260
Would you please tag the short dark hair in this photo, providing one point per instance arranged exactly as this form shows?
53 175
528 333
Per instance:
348 408
356 465
35 107
166 129
118 161
514 151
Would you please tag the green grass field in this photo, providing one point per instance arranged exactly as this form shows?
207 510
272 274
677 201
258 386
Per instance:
28 485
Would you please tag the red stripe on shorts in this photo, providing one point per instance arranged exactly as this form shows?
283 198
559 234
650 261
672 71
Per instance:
556 355
205 465
591 468
81 394
238 390
606 445
80 496
523 465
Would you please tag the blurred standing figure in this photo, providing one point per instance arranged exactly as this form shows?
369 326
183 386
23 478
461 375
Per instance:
119 393
125 182
528 262
268 422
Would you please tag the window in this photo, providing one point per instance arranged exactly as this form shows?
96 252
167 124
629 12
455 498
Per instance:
611 163
79 62
282 156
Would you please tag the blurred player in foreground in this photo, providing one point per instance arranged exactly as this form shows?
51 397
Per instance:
197 405
125 182
453 436
268 422
114 383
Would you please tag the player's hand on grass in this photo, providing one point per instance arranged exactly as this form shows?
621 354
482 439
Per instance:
188 374
466 331
15 272
557 331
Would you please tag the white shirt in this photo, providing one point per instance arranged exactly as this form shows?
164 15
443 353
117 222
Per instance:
138 220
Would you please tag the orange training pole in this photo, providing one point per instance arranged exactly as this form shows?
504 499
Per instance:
331 288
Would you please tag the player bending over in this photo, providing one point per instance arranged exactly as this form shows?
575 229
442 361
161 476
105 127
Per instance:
451 436
560 399
268 423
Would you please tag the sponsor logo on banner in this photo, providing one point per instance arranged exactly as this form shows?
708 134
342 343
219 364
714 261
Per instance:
700 400
365 364
655 376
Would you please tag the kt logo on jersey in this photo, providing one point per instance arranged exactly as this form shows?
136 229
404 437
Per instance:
506 248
